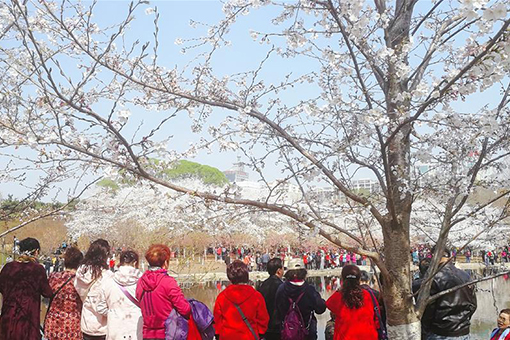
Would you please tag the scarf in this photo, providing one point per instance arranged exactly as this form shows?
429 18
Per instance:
502 336
26 259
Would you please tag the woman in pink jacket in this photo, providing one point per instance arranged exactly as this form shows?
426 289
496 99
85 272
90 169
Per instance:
159 293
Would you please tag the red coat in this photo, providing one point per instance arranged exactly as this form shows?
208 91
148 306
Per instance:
227 320
353 324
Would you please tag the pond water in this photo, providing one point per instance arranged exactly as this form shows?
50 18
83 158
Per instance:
492 296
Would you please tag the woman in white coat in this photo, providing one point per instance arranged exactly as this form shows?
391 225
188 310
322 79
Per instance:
89 277
118 302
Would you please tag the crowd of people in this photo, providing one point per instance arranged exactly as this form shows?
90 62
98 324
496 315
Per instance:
489 256
90 301
322 258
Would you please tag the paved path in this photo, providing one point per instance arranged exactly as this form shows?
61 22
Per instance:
254 276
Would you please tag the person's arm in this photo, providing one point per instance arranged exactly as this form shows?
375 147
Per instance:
333 303
279 303
177 298
102 304
82 287
320 303
2 278
430 311
218 317
46 290
262 315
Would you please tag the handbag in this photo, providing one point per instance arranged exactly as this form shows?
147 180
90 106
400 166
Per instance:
381 331
246 321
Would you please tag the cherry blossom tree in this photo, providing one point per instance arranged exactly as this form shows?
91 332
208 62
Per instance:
387 87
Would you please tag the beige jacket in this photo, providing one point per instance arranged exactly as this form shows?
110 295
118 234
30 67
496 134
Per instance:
92 322
124 317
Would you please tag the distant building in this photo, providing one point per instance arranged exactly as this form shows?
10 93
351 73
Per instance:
328 194
236 173
371 185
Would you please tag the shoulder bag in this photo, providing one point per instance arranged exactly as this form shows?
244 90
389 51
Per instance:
381 331
246 321
129 296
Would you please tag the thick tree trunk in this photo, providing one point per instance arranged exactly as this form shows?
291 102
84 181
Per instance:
411 331
403 322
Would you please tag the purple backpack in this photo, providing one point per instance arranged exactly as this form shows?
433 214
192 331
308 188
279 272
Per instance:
176 326
203 318
293 327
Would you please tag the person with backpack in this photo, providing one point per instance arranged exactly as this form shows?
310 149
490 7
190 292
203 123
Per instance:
355 308
118 302
89 276
63 315
240 311
159 294
297 302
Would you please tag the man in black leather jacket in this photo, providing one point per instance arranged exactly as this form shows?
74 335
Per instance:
449 316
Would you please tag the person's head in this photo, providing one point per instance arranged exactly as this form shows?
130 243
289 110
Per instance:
237 272
129 258
72 258
29 246
364 277
296 270
158 255
275 267
351 290
504 318
423 266
445 255
96 257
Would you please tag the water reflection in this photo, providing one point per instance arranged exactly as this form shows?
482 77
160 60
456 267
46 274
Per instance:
492 296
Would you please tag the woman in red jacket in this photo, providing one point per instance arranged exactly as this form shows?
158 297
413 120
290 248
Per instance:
237 299
159 293
353 308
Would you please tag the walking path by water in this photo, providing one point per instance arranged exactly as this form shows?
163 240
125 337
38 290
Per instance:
256 276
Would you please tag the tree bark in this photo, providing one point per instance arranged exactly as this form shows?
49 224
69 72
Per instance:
403 321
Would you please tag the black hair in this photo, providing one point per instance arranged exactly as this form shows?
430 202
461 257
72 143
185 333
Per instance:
96 257
29 244
273 265
296 274
423 266
446 252
128 257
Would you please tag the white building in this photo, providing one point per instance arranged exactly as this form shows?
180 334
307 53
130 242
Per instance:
237 173
371 185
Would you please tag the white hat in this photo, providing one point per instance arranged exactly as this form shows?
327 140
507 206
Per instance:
296 264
